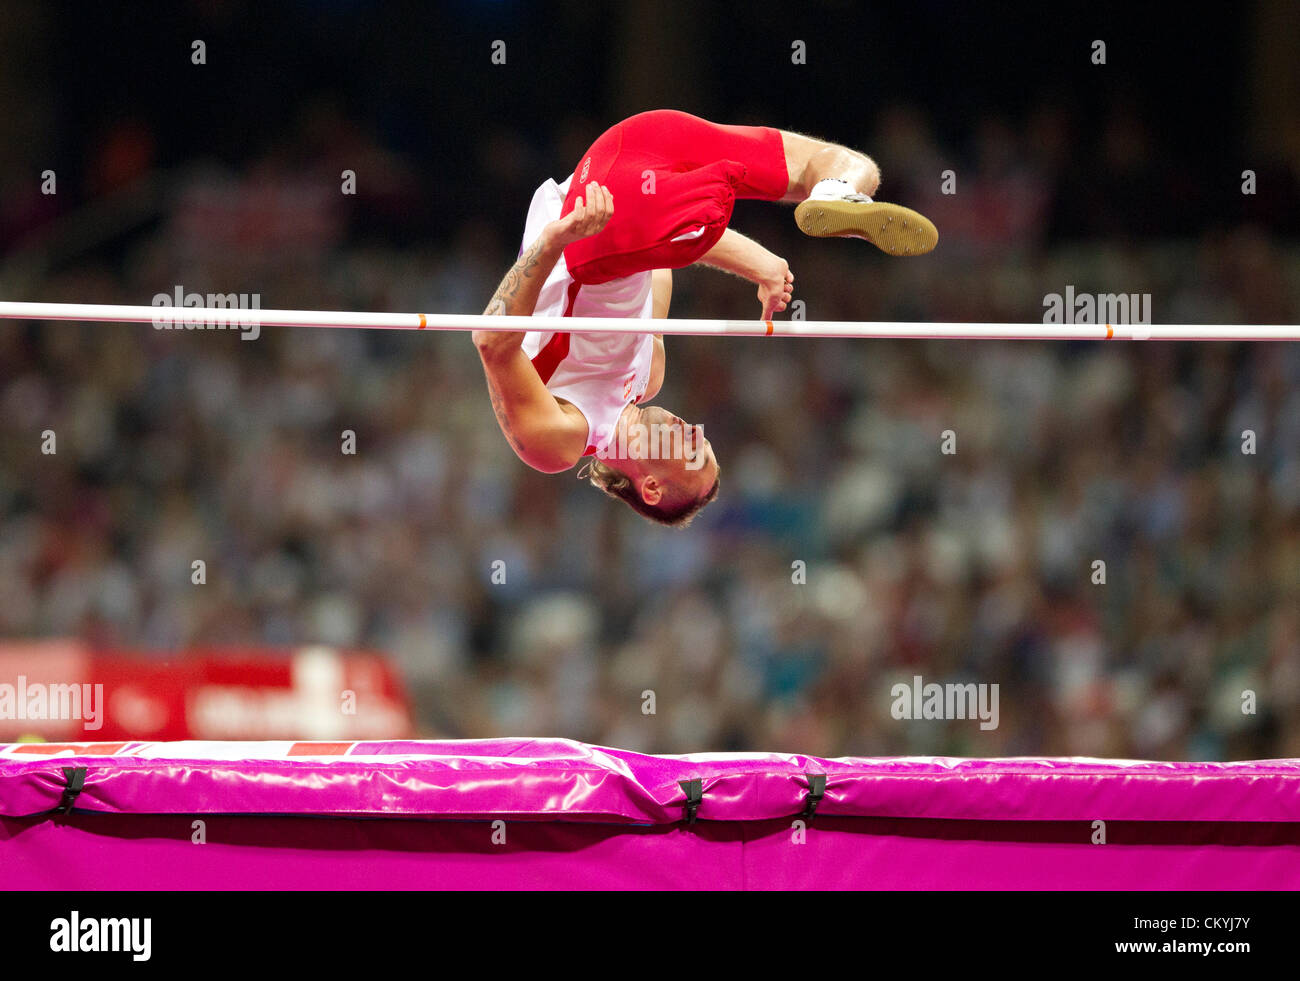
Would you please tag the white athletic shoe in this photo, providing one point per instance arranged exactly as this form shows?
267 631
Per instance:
833 210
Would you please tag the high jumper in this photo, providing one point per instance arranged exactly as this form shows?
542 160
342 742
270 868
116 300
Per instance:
655 193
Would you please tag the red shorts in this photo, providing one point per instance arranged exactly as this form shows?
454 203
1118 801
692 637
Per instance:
673 176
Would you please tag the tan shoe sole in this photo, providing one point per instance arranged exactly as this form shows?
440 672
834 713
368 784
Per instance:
889 227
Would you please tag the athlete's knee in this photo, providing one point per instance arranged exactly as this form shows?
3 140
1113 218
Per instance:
847 165
809 160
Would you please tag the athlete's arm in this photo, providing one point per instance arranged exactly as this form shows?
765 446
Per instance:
661 286
744 257
544 434
517 294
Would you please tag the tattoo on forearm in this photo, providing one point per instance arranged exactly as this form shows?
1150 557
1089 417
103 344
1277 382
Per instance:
506 302
505 295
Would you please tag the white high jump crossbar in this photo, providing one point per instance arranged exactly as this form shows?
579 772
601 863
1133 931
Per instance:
199 318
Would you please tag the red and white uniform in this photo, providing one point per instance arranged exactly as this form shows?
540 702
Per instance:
675 179
599 374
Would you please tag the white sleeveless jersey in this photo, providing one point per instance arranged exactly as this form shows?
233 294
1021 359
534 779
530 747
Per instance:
599 374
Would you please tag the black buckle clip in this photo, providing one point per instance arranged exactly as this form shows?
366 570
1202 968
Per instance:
76 777
694 790
816 795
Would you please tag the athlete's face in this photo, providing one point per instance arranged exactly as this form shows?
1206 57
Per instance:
674 452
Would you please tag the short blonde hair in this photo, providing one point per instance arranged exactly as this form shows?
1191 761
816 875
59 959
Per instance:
617 484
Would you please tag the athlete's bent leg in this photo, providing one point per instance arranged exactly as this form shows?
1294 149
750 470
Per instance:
675 178
834 187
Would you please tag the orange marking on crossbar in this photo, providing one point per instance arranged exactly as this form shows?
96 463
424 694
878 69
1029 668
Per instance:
770 328
1110 332
319 749
423 323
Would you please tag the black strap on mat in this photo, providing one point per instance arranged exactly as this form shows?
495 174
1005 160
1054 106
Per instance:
816 794
76 782
694 790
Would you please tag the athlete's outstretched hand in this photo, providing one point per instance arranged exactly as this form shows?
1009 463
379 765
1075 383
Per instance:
775 287
591 213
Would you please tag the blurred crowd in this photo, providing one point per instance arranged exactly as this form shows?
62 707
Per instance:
846 551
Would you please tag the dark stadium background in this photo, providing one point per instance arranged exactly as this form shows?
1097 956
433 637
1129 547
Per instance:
225 177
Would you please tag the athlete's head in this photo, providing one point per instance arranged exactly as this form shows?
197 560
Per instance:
661 467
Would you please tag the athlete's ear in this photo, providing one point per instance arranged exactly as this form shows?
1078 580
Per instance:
651 490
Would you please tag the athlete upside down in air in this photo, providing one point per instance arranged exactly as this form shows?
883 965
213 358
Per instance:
675 177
